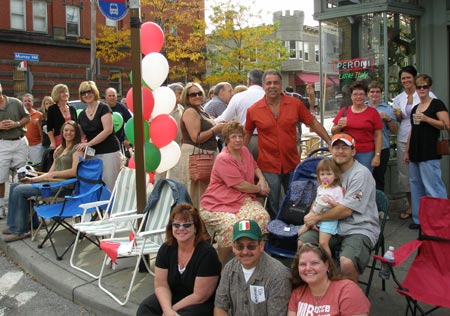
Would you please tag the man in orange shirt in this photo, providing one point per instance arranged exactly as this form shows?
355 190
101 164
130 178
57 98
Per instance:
275 116
33 130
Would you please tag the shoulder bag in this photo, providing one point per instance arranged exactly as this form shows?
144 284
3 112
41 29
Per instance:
200 163
442 144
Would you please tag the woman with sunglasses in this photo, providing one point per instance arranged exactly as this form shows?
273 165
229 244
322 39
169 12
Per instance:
97 125
198 131
318 288
64 166
231 194
403 104
187 269
428 118
59 113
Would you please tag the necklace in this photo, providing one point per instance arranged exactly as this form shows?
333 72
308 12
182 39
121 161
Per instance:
90 114
317 299
183 258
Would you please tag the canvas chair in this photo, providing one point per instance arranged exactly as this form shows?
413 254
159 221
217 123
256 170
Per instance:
122 202
150 235
89 187
379 248
428 278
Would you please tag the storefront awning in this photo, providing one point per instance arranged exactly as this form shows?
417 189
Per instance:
304 78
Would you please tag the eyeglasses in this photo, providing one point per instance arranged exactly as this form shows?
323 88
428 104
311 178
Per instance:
240 247
195 94
83 93
185 225
425 87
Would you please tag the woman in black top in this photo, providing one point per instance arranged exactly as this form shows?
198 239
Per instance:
97 125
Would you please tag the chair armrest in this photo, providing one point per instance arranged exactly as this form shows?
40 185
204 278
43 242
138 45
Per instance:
125 213
93 204
150 233
402 253
125 218
54 184
92 190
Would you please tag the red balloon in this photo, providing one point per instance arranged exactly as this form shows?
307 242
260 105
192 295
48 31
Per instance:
148 103
129 99
131 163
152 38
151 177
163 130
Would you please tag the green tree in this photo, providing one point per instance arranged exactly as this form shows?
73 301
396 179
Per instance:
183 25
235 46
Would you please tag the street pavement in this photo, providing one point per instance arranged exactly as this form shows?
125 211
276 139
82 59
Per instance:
83 290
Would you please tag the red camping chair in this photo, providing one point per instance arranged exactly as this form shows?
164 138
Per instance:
428 278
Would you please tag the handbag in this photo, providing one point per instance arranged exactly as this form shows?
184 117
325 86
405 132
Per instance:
294 210
200 164
442 144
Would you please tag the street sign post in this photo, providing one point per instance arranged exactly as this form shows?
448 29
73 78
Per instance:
113 9
25 56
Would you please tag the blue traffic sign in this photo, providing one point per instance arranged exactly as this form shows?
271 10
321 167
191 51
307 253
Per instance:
113 9
24 56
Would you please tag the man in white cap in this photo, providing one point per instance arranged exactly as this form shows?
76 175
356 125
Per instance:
252 283
357 214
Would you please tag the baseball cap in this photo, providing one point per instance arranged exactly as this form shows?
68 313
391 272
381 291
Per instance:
246 228
346 138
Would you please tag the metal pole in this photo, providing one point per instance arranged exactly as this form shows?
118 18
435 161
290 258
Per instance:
93 71
135 25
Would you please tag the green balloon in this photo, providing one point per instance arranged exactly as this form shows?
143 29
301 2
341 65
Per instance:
143 83
129 131
117 121
152 157
79 112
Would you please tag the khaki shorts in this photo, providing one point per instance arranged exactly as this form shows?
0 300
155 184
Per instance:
13 155
356 247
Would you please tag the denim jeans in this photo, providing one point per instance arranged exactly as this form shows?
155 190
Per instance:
365 159
425 180
275 181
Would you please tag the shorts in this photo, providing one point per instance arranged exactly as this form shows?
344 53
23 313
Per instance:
329 227
356 247
220 224
13 155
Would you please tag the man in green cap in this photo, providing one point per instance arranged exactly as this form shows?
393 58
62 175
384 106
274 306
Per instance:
252 283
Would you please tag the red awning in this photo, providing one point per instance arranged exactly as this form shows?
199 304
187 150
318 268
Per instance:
304 78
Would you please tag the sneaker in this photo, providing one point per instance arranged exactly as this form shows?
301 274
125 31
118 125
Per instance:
6 231
14 237
381 215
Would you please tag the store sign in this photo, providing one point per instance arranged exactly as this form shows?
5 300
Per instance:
357 68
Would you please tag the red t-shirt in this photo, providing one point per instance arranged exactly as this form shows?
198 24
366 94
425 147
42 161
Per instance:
33 134
362 127
277 138
220 196
343 297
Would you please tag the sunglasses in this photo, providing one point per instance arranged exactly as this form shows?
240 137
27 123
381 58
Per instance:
185 225
195 94
425 87
83 93
241 247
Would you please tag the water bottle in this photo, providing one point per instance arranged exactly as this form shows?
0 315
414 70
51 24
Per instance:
385 271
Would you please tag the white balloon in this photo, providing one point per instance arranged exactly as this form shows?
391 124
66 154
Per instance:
170 155
155 69
165 100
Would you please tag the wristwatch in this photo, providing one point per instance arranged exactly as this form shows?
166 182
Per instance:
18 123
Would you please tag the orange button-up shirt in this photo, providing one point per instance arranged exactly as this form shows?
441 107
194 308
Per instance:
277 138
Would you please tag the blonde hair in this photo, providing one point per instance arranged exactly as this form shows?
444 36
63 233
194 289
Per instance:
43 107
60 87
184 94
89 85
239 88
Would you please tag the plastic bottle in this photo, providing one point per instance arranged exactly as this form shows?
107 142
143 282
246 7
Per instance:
385 271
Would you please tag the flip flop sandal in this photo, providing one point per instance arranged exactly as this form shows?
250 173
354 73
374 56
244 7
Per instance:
404 215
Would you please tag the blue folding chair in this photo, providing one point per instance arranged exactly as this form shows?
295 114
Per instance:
88 187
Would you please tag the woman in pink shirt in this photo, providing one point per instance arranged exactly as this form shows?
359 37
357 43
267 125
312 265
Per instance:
231 193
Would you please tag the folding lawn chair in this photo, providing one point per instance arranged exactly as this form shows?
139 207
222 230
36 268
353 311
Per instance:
282 238
428 278
122 202
378 249
150 235
89 187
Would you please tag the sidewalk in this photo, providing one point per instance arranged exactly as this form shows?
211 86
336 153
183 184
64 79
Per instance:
83 290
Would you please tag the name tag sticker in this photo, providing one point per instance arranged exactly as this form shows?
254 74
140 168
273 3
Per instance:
257 294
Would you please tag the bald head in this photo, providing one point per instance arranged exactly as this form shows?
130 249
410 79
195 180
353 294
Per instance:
111 96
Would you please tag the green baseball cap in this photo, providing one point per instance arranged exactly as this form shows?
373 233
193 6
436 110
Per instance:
246 228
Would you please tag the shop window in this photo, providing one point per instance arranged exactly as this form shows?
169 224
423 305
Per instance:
72 21
115 81
18 14
40 16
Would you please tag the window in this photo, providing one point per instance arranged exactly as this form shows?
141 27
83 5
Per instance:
72 21
18 14
306 51
300 50
115 81
111 23
316 53
291 46
40 16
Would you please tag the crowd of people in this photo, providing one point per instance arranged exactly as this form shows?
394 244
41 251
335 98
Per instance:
251 132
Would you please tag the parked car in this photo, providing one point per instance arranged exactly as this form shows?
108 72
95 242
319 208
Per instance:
77 104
